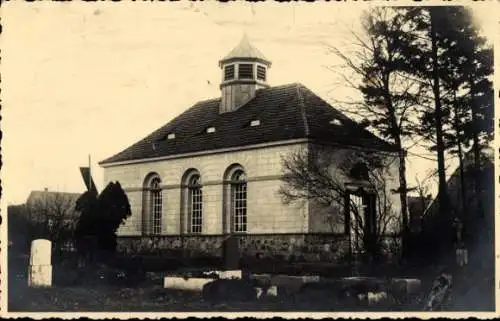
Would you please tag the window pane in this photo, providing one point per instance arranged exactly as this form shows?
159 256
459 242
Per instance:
245 71
239 209
196 212
156 209
229 72
261 73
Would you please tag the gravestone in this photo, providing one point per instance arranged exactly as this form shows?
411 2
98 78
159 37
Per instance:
440 292
231 253
462 257
40 266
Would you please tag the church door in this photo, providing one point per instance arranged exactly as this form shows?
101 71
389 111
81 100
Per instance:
362 221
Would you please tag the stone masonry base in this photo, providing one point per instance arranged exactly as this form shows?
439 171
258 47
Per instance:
296 247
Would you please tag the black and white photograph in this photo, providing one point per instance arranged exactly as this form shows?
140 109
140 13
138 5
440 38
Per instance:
248 158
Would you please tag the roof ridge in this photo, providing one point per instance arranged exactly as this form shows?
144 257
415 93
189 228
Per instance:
49 191
302 109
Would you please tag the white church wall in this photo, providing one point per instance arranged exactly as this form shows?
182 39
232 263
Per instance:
266 211
392 185
132 226
269 214
331 219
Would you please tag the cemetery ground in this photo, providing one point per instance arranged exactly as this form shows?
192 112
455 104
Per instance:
129 286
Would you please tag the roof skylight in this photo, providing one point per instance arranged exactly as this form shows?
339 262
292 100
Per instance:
210 130
335 121
255 122
171 136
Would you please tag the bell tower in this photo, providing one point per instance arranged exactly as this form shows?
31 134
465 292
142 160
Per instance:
244 70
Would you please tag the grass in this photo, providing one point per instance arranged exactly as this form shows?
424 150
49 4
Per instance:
472 291
152 297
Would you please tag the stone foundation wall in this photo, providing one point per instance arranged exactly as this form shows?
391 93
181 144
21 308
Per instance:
199 245
296 247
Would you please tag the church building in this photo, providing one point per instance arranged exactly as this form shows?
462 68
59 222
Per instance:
216 169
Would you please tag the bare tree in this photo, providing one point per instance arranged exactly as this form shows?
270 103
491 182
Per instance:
327 177
422 188
424 196
377 68
53 215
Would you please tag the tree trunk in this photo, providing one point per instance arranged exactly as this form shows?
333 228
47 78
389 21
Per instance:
463 189
476 149
443 189
403 195
403 188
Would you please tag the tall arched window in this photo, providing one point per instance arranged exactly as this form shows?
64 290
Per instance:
239 202
152 205
195 199
155 205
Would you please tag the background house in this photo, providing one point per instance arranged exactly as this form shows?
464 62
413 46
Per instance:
438 227
216 169
53 208
46 214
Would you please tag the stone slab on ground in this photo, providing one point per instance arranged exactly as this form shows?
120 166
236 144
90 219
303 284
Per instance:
405 285
229 274
187 284
409 286
292 284
282 284
197 283
226 290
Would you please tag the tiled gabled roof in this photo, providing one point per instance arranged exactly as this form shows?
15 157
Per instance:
53 201
285 112
35 196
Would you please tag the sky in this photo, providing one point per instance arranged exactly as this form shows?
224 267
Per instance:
82 79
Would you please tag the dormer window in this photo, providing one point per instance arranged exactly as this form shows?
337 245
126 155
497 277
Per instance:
171 136
229 72
255 122
210 130
261 73
245 71
335 121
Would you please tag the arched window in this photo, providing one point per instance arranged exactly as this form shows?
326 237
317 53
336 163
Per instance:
361 211
195 199
239 202
152 205
155 205
360 171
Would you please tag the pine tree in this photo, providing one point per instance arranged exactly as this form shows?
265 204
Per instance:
466 67
390 94
478 68
100 217
454 60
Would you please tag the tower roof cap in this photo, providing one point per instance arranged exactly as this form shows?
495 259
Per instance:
245 50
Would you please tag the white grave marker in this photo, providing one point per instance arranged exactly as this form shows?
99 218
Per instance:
40 268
